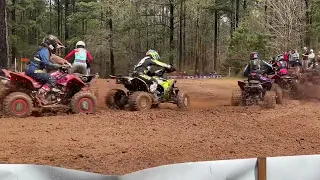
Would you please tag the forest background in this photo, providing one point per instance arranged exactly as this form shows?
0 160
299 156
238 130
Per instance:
197 36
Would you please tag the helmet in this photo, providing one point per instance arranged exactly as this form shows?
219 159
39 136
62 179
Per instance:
254 55
153 54
80 43
280 57
52 42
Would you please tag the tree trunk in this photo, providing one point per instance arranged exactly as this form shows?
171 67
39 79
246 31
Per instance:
244 6
50 17
184 36
4 49
180 36
66 26
13 31
171 31
215 41
59 14
112 67
196 66
237 13
232 22
308 23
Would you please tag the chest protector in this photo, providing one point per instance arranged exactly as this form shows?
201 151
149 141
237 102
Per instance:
282 64
255 65
80 56
35 60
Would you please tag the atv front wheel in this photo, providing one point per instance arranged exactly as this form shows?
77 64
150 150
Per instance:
278 91
182 100
140 101
114 99
18 104
83 102
236 98
269 101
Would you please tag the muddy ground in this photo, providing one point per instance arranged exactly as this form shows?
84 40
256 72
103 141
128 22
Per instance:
118 142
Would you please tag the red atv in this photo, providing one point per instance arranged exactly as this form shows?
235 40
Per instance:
21 96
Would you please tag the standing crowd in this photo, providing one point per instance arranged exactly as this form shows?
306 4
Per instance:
307 60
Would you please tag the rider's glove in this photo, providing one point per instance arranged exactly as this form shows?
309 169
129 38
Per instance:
56 65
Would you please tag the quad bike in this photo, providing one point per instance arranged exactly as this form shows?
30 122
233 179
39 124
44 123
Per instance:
253 92
139 98
21 94
287 83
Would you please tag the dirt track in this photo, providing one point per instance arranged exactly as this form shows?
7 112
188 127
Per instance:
117 142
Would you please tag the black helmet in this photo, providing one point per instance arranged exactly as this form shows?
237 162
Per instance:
52 42
254 55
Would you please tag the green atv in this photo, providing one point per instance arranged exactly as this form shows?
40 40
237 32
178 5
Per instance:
139 97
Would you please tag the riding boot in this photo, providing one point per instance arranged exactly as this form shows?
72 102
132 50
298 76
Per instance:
42 94
153 89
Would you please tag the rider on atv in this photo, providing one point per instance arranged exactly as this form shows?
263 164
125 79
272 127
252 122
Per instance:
41 61
142 70
82 59
256 68
281 66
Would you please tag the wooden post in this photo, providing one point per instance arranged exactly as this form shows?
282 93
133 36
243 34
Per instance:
262 168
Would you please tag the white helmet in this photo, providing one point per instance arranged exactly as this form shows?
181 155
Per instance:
80 43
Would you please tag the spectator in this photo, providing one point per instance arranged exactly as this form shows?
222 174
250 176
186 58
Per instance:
316 64
291 59
311 57
305 59
286 57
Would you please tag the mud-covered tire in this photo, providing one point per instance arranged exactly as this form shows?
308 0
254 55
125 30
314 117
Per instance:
269 101
236 98
182 100
15 99
279 93
83 102
3 94
140 101
113 99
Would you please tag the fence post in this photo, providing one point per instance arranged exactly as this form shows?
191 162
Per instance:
262 168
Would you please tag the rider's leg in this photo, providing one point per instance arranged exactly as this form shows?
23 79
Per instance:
153 84
49 84
79 68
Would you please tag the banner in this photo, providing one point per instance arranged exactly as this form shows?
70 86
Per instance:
213 76
304 167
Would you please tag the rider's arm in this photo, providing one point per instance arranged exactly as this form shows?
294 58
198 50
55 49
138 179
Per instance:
58 60
45 58
160 64
89 57
70 54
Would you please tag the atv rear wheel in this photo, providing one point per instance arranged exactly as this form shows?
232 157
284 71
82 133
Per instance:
269 101
140 101
114 98
279 93
3 94
18 104
182 100
236 98
83 102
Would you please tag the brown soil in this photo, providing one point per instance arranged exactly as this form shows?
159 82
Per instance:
118 142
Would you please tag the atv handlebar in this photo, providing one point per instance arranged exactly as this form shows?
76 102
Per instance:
164 70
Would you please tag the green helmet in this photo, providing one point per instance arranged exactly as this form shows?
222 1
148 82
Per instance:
154 54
